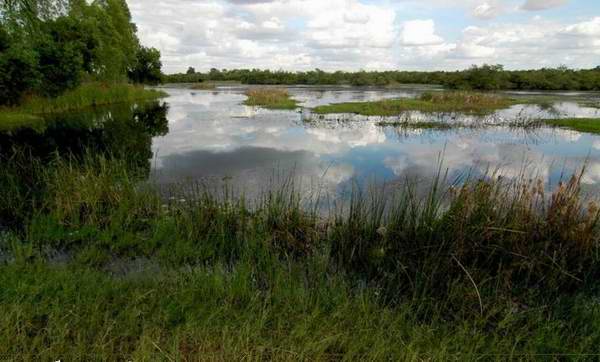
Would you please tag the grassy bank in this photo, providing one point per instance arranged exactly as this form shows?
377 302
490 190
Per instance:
464 102
218 313
271 98
86 95
589 125
97 263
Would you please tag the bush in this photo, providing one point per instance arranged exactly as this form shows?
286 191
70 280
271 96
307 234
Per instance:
18 73
147 67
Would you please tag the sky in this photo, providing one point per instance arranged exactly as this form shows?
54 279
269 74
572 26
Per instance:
369 34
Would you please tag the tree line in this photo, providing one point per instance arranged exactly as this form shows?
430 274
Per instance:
485 77
50 46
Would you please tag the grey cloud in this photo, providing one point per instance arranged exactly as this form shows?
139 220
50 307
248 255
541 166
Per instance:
536 5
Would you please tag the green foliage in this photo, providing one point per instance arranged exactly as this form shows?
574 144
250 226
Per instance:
147 67
60 60
49 47
485 77
19 73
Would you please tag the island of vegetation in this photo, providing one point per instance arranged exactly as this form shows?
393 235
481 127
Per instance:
464 102
270 98
588 125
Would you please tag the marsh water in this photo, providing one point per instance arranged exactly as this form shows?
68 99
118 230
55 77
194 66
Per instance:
210 137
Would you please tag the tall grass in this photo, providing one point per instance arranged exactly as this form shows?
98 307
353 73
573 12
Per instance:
508 234
465 102
86 95
271 98
485 266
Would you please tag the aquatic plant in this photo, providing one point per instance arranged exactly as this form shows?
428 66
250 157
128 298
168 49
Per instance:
589 125
271 98
464 102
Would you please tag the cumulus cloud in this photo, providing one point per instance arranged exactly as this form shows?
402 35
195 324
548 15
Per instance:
354 34
420 32
487 10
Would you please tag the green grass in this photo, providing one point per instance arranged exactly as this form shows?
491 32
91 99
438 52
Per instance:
13 120
270 98
589 125
465 102
218 313
489 268
87 95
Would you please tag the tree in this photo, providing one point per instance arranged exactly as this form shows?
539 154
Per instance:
18 73
147 67
65 50
191 70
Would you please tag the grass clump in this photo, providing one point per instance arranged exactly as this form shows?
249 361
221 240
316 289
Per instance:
589 125
465 102
270 98
86 95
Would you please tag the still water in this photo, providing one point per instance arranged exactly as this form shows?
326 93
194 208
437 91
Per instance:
213 137
210 137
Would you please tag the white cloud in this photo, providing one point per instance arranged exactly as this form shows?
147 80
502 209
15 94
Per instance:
586 28
353 35
419 32
487 10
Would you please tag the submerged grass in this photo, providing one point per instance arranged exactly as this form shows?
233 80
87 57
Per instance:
589 125
270 98
489 268
87 95
465 102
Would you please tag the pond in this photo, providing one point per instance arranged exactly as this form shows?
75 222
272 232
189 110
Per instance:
213 136
210 137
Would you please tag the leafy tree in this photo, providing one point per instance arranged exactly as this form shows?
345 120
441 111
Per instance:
147 68
65 53
191 70
18 73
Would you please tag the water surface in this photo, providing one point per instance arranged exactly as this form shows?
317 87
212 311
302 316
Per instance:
214 137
